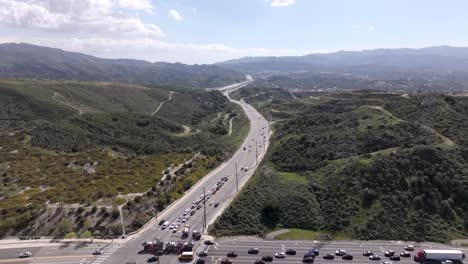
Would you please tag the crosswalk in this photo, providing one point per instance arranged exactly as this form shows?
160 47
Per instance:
107 252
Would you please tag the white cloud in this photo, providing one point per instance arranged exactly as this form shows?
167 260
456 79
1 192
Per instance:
362 28
93 17
281 3
136 5
174 14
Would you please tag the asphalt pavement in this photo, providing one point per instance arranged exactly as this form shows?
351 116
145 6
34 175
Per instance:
219 250
255 148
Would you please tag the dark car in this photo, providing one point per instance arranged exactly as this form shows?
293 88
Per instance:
405 254
208 242
253 251
308 259
203 254
200 261
290 252
316 252
389 253
162 222
329 256
231 254
153 259
367 253
226 261
216 204
259 262
159 253
395 258
267 258
374 257
347 257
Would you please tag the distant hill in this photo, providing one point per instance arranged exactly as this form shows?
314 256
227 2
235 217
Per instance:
29 61
387 63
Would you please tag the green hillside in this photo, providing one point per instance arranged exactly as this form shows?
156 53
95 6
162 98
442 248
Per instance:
67 148
360 165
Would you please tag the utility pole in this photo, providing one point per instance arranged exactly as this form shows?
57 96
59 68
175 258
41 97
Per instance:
204 209
256 152
237 179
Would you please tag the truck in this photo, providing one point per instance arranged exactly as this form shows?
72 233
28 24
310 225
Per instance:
186 232
438 255
196 235
186 256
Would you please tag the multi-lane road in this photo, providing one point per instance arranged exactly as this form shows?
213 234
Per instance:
249 157
219 250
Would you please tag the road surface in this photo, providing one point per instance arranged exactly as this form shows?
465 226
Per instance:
248 158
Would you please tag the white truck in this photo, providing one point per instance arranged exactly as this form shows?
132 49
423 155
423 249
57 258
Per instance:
439 255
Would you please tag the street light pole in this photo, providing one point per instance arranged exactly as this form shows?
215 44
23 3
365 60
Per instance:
237 179
256 152
204 209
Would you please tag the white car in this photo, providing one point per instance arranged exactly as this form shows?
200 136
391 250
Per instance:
25 254
171 227
211 203
280 255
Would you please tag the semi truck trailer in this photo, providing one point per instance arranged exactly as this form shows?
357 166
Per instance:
439 255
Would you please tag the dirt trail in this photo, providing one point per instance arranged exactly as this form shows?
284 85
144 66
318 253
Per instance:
447 141
54 97
162 103
230 125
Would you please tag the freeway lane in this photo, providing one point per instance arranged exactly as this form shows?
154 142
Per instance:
248 158
269 247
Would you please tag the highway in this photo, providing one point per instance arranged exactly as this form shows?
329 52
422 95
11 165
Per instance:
254 150
219 250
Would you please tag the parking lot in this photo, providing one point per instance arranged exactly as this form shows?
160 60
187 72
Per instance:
219 250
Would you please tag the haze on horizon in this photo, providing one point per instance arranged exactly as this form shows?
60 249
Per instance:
203 31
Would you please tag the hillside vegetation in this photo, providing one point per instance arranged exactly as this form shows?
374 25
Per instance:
71 152
361 165
30 61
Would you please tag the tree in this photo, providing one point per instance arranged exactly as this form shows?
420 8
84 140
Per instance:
64 227
270 214
86 234
70 235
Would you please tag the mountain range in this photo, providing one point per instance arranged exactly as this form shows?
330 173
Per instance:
386 63
30 61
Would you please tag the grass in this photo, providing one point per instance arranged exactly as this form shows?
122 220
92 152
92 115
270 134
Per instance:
289 176
298 234
370 116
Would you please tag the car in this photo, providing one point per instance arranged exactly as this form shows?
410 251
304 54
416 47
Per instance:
211 203
246 168
367 253
316 252
25 254
97 252
216 205
347 257
309 259
280 255
405 254
386 262
192 213
130 262
267 258
340 252
259 262
162 222
290 252
200 261
374 257
329 256
448 261
203 254
184 220
395 258
242 169
409 248
208 242
253 251
226 261
153 259
244 148
231 254
389 253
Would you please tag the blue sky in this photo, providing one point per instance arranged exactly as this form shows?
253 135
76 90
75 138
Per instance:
205 31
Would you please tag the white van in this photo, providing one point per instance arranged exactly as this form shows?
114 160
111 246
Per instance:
165 225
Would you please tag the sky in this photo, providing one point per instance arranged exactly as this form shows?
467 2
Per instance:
208 31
